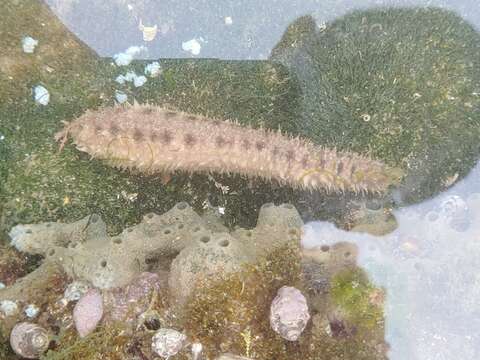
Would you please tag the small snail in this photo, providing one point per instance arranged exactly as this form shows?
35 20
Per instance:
29 340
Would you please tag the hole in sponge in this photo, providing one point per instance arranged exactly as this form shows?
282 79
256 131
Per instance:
325 248
182 206
224 243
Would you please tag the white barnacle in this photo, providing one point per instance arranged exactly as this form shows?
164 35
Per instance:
192 46
167 342
130 76
153 69
31 311
139 80
8 307
41 95
120 79
365 117
29 44
121 97
125 58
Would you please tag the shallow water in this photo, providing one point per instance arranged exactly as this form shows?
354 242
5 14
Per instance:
429 265
256 26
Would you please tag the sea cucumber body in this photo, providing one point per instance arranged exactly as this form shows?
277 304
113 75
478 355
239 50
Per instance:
152 139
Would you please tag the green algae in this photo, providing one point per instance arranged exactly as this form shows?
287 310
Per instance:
353 293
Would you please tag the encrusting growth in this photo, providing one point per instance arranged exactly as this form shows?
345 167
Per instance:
152 139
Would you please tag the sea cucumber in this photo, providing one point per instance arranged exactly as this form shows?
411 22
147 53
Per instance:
152 139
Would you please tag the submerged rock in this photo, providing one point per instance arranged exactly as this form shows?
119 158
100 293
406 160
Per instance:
375 81
188 272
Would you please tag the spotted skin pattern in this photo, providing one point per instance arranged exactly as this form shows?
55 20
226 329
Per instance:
152 139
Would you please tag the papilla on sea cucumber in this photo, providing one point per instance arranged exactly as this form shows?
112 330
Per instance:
151 139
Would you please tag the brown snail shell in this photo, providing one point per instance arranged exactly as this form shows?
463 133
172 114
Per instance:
29 340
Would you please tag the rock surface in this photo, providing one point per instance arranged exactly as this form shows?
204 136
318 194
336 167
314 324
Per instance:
339 91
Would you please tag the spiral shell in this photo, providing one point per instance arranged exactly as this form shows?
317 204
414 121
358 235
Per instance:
149 32
29 340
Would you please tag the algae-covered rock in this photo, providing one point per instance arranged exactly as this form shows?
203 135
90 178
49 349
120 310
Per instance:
399 83
357 298
371 82
39 183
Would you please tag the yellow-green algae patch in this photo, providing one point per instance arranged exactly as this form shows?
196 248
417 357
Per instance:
104 343
232 314
352 292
